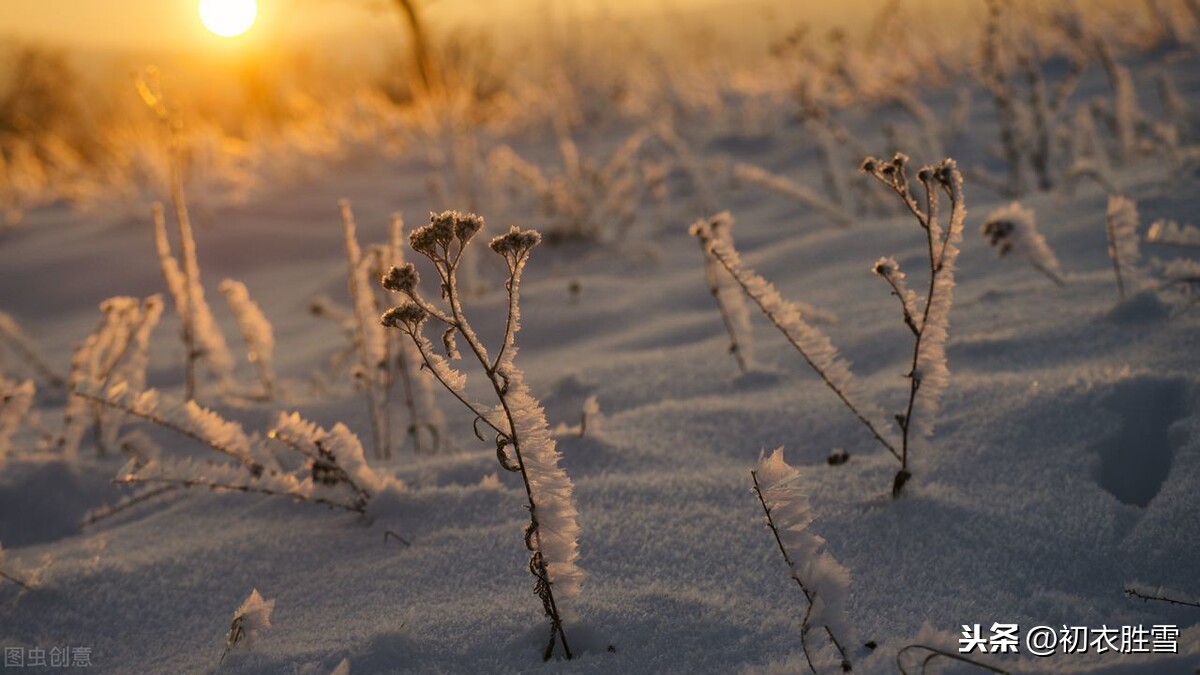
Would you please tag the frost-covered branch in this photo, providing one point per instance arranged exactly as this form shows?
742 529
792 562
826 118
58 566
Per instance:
256 331
332 470
423 411
724 290
821 578
13 337
929 374
523 440
790 188
202 337
372 347
117 352
813 345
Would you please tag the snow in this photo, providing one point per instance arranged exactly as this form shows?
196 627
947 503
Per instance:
1064 465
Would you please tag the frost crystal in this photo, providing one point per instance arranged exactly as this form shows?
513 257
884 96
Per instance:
251 619
260 338
821 577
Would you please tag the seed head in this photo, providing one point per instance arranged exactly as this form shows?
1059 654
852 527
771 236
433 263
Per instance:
409 315
401 279
516 242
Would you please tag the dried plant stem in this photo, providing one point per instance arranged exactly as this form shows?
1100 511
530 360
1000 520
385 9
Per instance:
276 435
443 242
106 378
935 653
1159 597
377 393
16 342
714 288
1114 253
8 577
733 272
198 482
808 595
128 503
500 385
255 468
941 249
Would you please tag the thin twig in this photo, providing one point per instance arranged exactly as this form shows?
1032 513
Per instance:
833 387
941 653
808 595
254 466
1134 593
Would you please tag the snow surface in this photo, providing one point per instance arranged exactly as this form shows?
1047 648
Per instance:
1066 461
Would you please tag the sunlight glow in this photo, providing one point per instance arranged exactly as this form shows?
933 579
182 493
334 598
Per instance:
228 18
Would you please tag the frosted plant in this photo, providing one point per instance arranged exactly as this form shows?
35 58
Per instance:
1171 233
803 194
13 338
116 352
256 331
821 578
370 342
585 198
425 420
16 399
1089 156
665 130
1027 115
929 373
523 440
734 313
590 416
11 578
1127 115
1013 229
202 337
813 345
252 618
1121 225
323 467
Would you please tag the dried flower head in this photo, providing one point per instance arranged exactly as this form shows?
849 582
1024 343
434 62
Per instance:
402 279
516 242
885 267
999 235
466 225
409 316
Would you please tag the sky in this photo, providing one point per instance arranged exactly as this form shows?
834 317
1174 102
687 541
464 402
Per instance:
167 24
138 25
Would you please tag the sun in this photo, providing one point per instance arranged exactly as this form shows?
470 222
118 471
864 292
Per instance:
228 18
